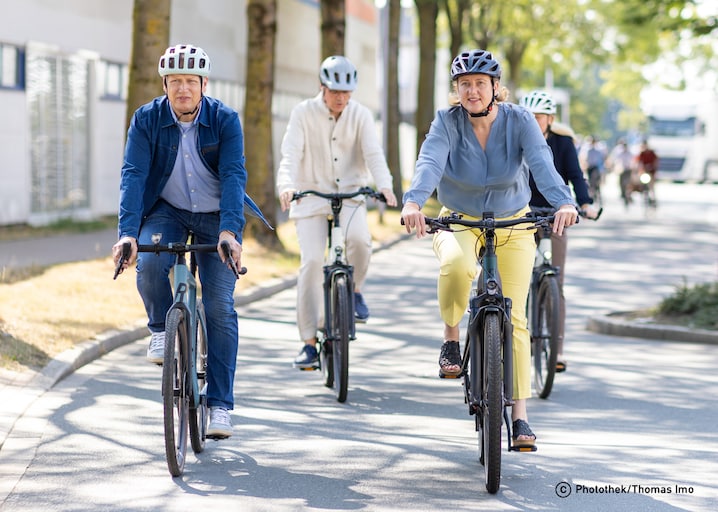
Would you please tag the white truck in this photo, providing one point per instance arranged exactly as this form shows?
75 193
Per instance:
683 131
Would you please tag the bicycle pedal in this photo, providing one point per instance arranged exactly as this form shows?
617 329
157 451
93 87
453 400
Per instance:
443 375
308 368
514 448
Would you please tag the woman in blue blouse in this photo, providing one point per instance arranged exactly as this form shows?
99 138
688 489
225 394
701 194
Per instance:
477 156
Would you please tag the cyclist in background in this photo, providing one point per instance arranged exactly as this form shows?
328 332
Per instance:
183 171
330 145
473 156
621 161
593 156
565 158
647 162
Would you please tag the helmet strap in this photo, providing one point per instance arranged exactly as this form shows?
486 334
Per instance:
484 112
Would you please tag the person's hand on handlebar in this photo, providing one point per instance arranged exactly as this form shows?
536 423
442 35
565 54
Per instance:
412 218
564 217
589 211
117 252
389 196
285 198
235 247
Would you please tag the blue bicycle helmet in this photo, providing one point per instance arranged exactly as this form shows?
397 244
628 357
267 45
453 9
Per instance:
475 61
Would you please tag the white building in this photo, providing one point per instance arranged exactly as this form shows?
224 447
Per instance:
63 82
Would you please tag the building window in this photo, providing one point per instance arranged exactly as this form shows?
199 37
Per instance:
112 79
12 67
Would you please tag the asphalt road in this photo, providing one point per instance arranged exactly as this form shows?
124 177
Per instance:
629 426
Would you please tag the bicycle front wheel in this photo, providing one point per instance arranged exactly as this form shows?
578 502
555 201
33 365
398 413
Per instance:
492 399
545 339
341 326
175 396
199 416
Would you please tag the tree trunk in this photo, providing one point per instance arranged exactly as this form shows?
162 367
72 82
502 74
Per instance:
333 27
392 117
428 11
150 38
261 37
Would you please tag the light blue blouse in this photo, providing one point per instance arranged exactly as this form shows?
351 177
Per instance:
470 180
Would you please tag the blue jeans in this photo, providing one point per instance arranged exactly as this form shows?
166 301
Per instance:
218 283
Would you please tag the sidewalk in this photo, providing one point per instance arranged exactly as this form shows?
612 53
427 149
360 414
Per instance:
18 390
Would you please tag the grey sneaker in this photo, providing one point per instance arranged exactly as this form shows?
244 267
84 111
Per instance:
156 350
220 424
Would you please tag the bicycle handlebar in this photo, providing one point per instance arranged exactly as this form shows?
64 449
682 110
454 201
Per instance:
444 223
179 248
341 195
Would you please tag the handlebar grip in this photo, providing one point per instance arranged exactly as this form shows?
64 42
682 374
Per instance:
230 261
126 250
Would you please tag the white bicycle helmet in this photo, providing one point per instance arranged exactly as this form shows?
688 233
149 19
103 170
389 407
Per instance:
475 61
539 102
338 74
184 59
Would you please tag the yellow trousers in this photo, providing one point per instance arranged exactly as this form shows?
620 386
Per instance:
458 255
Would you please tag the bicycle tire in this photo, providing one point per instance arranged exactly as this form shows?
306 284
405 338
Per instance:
492 398
199 416
340 310
175 398
544 340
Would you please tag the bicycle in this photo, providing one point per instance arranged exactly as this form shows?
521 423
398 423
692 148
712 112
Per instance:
594 183
543 309
486 364
184 369
339 324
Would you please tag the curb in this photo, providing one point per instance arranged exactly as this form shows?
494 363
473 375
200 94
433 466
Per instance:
614 326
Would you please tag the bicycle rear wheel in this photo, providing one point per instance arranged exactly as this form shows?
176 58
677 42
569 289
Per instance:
175 397
545 339
199 416
341 319
492 399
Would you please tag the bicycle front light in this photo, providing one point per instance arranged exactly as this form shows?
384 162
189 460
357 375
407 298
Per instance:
492 287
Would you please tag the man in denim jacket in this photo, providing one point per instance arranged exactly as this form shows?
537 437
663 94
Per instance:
184 172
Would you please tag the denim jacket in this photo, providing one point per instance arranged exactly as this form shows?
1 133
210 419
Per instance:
151 151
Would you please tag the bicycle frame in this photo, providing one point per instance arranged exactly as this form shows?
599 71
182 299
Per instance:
336 264
489 298
185 299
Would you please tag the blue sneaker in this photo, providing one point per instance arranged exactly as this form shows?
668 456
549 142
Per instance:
308 358
361 310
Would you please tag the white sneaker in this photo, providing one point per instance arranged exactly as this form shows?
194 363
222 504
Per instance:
156 350
220 424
